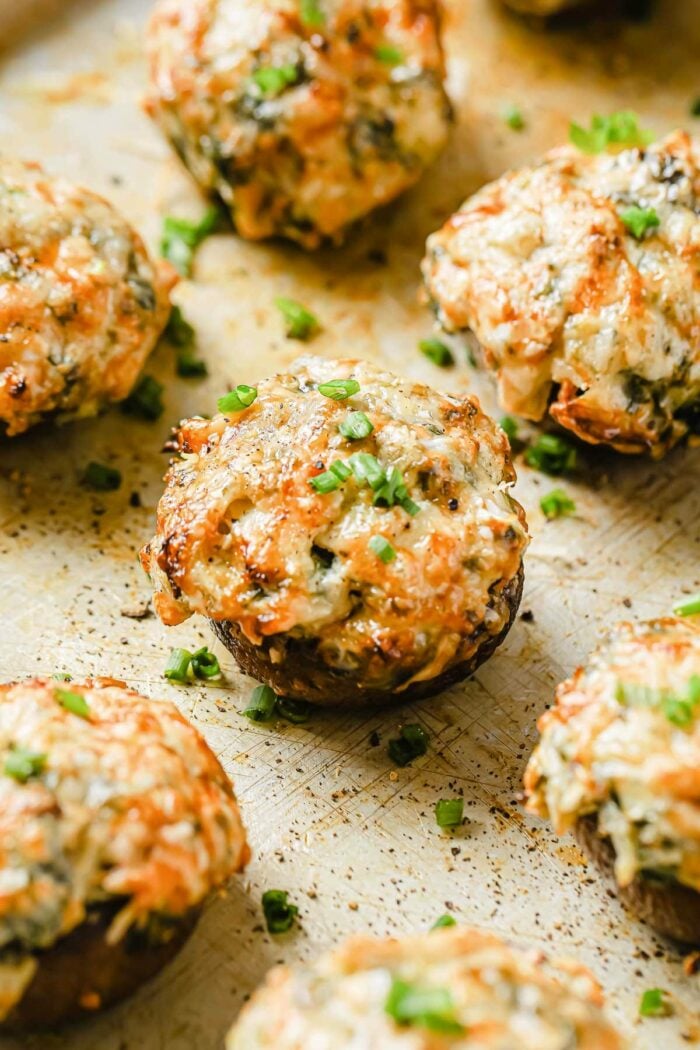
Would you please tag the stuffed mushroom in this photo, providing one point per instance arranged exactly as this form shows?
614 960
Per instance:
349 533
81 303
302 115
618 761
455 988
116 822
577 278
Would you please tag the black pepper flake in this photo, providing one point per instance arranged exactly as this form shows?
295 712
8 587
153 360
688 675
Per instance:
453 504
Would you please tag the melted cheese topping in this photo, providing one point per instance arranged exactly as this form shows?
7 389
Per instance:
601 752
360 113
565 302
243 536
502 998
129 803
81 304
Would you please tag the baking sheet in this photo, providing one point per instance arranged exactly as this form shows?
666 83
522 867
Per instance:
352 838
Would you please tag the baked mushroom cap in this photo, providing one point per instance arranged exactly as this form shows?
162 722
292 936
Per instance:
578 279
116 822
303 117
619 759
455 988
338 568
81 303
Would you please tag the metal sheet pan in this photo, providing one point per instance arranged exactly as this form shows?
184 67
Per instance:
350 837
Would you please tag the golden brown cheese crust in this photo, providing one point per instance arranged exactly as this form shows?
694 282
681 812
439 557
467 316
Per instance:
242 535
81 304
128 805
623 743
502 998
574 314
355 115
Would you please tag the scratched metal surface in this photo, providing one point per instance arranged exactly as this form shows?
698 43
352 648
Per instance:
330 820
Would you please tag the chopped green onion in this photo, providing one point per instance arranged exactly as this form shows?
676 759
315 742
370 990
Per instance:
325 483
410 507
688 607
73 702
654 1004
639 220
182 335
556 504
431 1008
449 812
340 469
23 764
181 238
367 467
178 665
388 54
296 711
619 129
311 13
61 676
102 478
205 664
510 427
146 400
300 322
382 548
279 913
237 400
356 426
437 352
272 80
261 705
339 389
411 742
513 117
444 920
678 711
551 454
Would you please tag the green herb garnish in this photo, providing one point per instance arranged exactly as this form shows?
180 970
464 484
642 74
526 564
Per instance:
382 548
688 607
411 742
437 352
449 812
102 478
182 335
388 54
679 709
510 427
654 1004
619 129
205 664
178 665
556 504
311 13
443 921
639 220
279 913
431 1008
237 400
273 80
182 237
513 117
367 468
300 323
21 764
146 400
551 454
261 705
356 426
73 702
339 389
296 711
